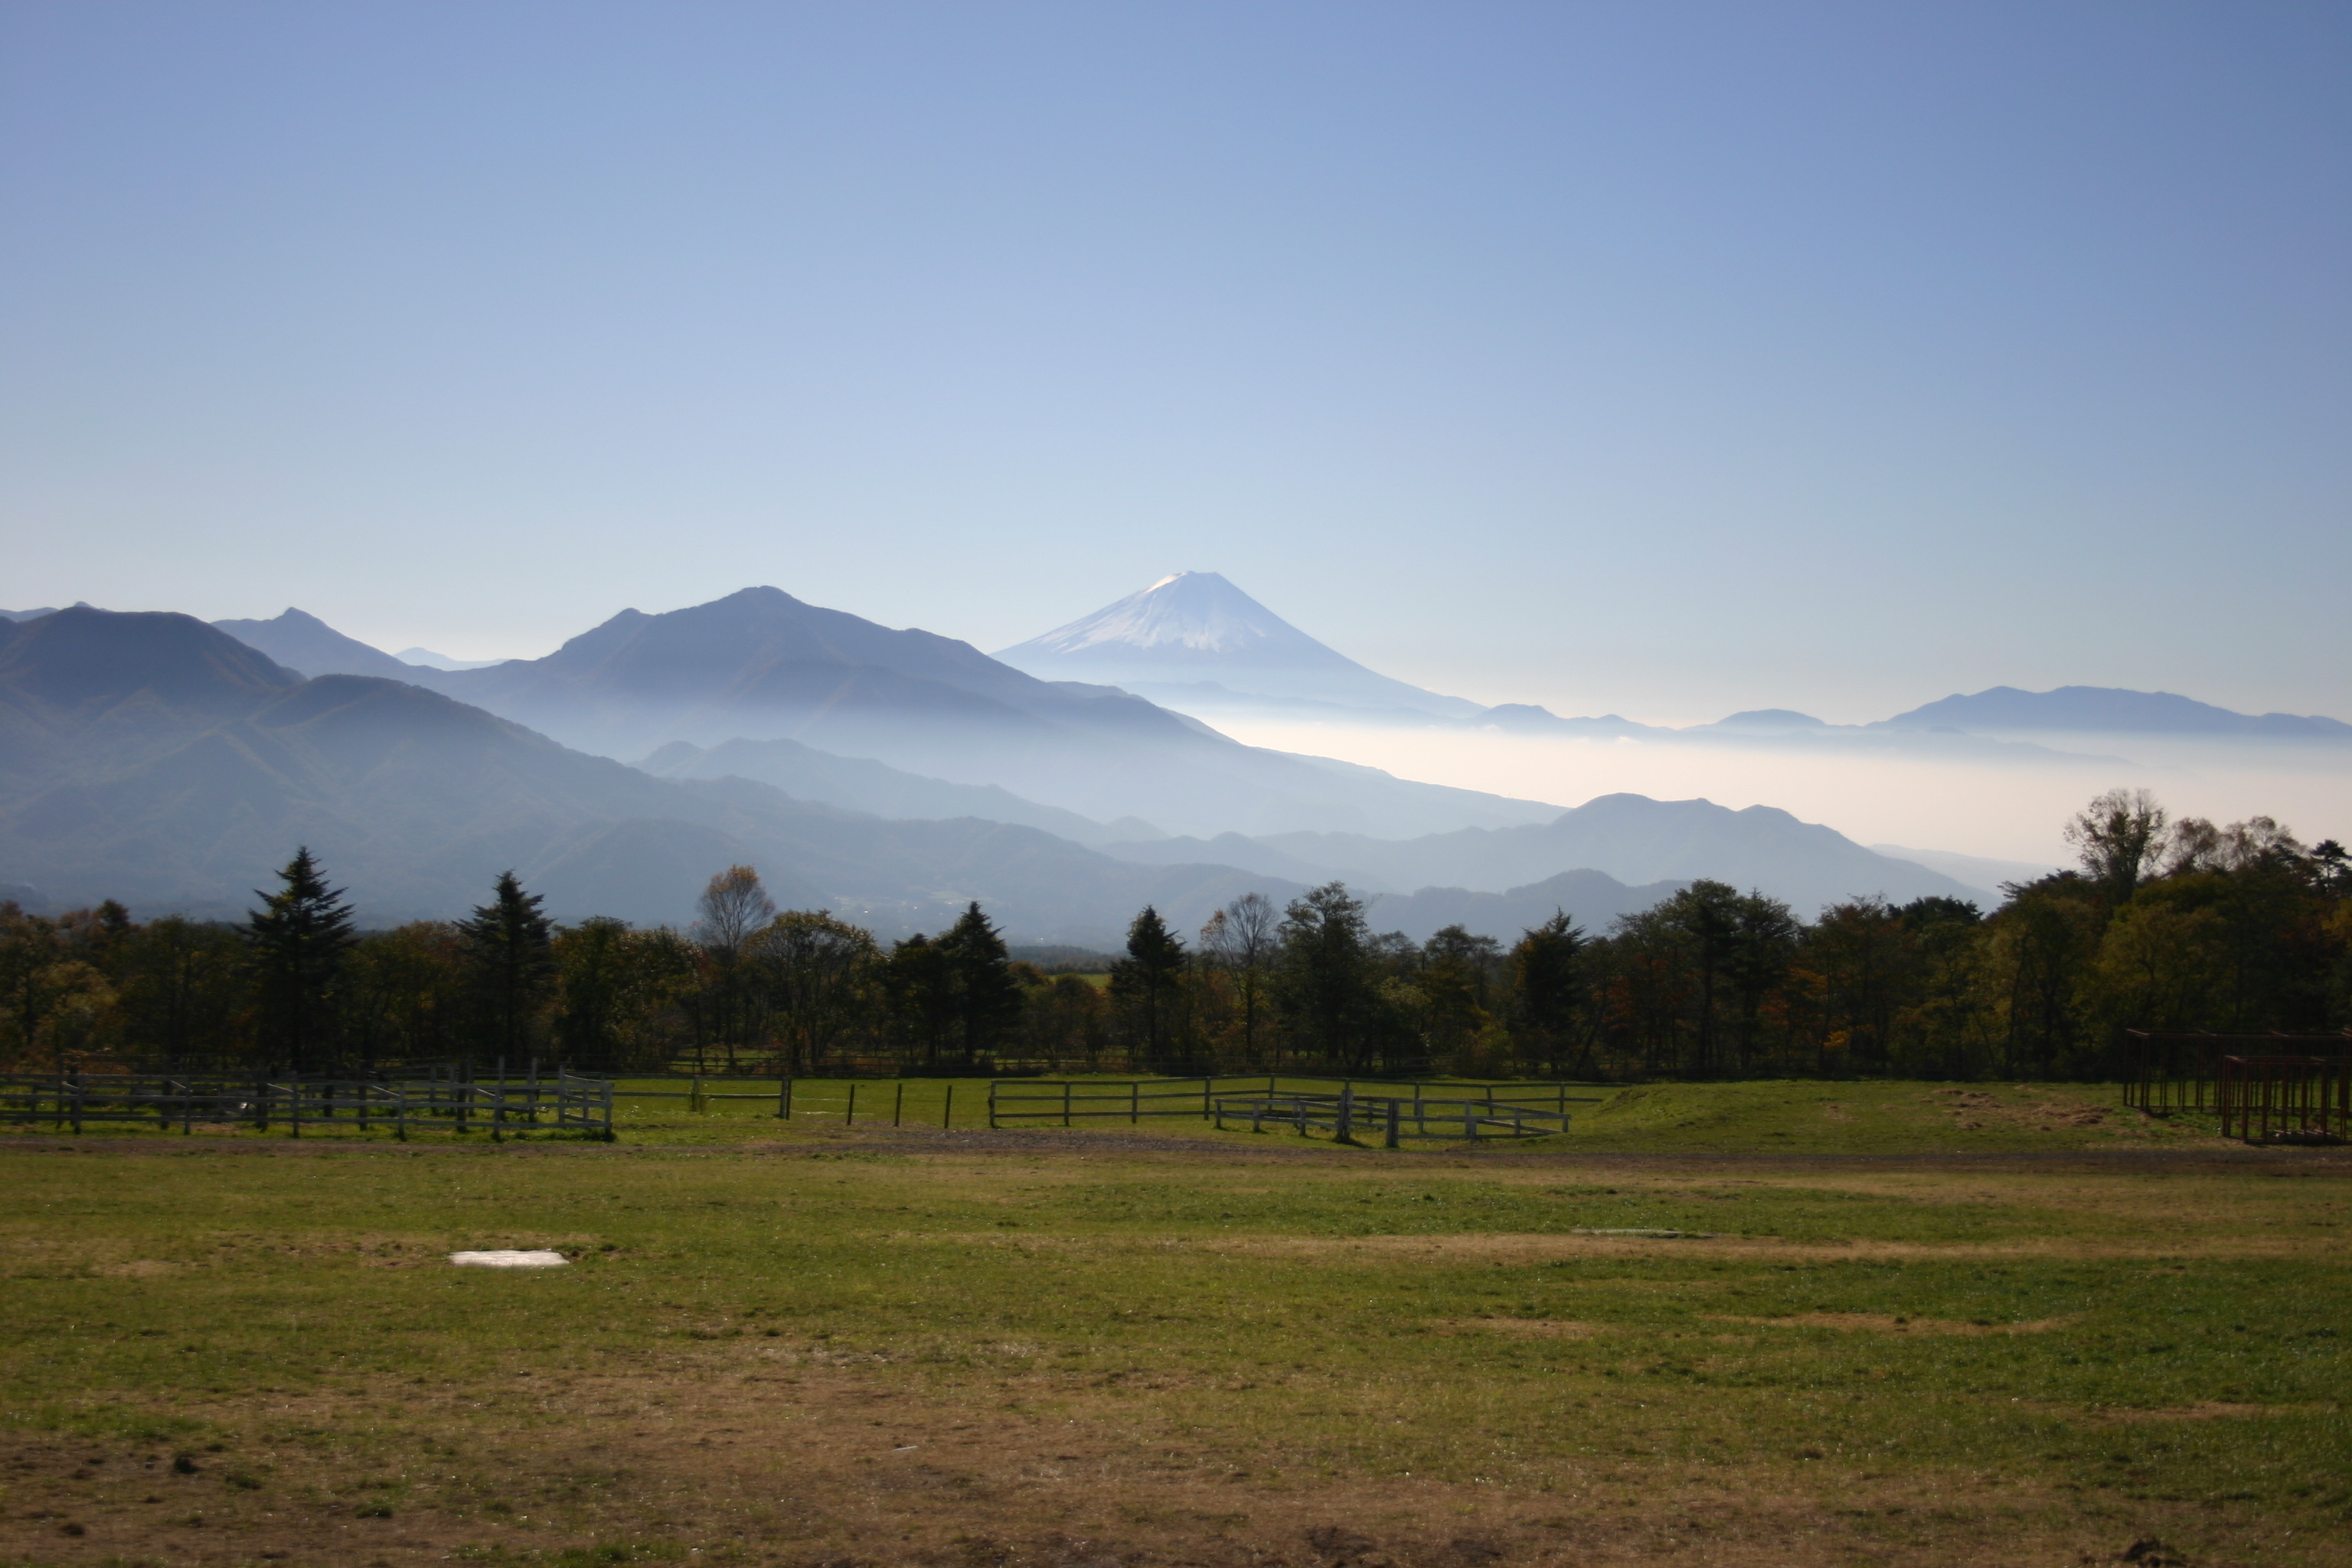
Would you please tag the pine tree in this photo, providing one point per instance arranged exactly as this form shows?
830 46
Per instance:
1146 983
298 939
510 952
1548 986
987 997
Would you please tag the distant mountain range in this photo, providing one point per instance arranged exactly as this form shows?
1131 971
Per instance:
1591 898
427 657
1195 643
2101 709
858 784
153 758
760 665
1630 837
1195 639
308 646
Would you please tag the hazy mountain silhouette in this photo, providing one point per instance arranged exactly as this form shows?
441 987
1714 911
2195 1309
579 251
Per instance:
302 641
1591 898
84 688
1630 838
152 757
762 664
2105 708
1195 636
27 615
860 784
428 659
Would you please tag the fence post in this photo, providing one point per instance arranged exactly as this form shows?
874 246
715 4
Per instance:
1066 1100
851 1120
77 1109
188 1109
1347 1112
294 1089
898 1102
400 1112
1135 1103
948 1114
1394 1109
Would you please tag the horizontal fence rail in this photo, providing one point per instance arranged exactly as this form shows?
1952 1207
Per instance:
2264 1088
1348 1116
567 1099
1342 1106
2285 1100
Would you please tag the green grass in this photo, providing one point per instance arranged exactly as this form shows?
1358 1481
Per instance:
1878 1117
2163 1351
1795 1116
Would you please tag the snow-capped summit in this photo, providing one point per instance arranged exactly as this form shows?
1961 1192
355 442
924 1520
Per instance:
1196 616
1193 640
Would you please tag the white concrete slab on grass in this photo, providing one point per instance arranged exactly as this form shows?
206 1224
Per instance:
507 1257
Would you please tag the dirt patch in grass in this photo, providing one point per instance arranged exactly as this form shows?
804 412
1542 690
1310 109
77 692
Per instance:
1536 1248
1527 1328
727 1460
1879 1323
2210 1410
1972 1109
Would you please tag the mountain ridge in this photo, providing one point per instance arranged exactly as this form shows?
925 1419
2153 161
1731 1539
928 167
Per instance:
302 641
760 665
157 760
2109 709
1195 635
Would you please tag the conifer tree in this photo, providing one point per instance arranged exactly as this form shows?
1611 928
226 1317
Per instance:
509 950
987 997
298 939
1547 987
1146 983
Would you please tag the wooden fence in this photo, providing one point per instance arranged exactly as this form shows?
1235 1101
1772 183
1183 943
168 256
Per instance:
885 1099
1349 1116
1342 1106
2285 1100
74 1101
2264 1087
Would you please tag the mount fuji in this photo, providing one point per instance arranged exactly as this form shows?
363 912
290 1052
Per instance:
1193 640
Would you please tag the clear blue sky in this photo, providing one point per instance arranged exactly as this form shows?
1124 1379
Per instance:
1669 358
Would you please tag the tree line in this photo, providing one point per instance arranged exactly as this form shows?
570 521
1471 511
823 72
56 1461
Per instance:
2164 925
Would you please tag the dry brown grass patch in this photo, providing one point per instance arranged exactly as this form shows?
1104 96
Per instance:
1880 1323
1530 1328
744 1460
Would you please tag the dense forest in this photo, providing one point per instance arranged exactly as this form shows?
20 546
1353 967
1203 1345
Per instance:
2166 925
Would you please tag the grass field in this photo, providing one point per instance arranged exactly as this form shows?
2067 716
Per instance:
1898 1323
